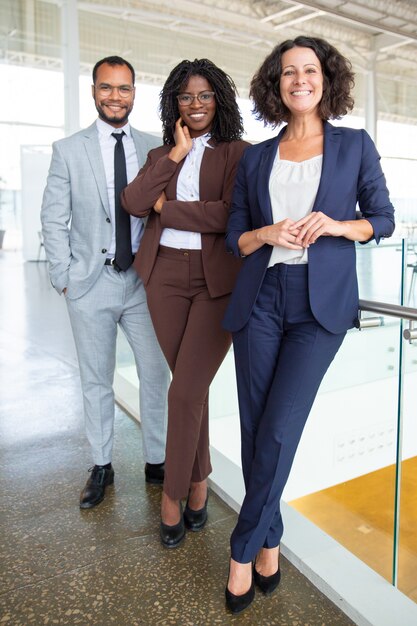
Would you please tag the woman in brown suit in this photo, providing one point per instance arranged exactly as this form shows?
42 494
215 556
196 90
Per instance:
185 189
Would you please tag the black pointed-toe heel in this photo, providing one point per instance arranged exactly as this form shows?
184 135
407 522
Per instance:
195 520
172 536
237 604
267 584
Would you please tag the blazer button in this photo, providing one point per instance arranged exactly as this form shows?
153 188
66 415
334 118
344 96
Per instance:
104 250
108 220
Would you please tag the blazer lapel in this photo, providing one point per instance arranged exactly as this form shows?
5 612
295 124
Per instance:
264 172
332 138
141 150
93 150
209 165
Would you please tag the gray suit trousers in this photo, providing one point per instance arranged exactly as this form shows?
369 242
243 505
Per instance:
119 299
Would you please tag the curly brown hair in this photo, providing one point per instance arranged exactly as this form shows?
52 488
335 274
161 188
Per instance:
227 123
338 81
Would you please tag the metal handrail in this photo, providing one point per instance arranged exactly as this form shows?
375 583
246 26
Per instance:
384 308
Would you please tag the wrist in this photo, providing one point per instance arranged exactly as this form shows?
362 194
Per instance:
258 232
176 154
344 229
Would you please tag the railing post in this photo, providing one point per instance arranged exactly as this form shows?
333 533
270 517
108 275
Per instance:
399 447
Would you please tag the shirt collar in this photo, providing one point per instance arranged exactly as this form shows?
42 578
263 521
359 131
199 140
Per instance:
106 129
203 139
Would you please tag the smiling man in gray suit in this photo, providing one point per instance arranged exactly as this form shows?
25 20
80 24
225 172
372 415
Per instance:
81 217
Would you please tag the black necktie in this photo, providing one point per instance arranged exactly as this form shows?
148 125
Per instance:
123 256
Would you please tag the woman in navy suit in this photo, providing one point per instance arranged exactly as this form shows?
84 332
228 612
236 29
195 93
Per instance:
293 218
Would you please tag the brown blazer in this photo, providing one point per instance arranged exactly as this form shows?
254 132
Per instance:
207 216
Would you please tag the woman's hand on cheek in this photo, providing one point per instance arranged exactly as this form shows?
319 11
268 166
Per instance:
183 142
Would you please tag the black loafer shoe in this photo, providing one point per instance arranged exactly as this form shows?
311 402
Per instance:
237 604
172 536
93 492
195 520
154 473
267 584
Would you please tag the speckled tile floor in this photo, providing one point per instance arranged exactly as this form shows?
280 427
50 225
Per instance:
60 565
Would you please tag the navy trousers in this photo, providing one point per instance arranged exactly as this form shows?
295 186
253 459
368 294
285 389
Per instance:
281 356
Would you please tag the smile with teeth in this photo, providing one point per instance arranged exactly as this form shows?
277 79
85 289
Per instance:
301 93
114 107
196 116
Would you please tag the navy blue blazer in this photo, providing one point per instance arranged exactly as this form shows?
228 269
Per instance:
351 174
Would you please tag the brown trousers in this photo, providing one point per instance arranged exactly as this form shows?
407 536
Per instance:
187 323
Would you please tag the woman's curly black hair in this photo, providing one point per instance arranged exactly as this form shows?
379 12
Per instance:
337 84
227 123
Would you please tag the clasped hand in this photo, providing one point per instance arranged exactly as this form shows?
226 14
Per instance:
309 228
303 233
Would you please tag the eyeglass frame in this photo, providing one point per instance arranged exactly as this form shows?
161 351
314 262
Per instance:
212 95
110 88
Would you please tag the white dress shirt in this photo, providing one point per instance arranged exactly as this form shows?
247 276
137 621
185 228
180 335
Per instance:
107 143
293 188
188 189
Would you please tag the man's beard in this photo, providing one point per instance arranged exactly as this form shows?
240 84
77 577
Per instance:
114 118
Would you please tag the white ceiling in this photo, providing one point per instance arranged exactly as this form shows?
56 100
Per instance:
236 34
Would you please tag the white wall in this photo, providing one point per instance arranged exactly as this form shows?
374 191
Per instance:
35 162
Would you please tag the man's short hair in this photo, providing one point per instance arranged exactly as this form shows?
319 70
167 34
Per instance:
113 60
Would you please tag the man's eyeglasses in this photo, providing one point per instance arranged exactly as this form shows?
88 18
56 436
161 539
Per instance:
105 90
204 97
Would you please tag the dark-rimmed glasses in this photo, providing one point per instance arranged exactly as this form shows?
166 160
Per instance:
204 97
105 90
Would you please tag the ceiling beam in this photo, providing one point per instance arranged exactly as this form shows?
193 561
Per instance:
342 15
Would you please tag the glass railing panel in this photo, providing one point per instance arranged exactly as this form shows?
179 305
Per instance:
343 478
379 269
410 279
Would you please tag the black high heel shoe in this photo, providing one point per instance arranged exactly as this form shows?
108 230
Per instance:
237 604
267 584
172 536
195 520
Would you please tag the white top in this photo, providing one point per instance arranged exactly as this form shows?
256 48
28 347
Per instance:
293 188
107 143
188 189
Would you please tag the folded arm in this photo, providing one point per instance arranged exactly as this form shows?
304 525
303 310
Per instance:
139 197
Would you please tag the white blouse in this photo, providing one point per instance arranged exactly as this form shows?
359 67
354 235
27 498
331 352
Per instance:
188 189
292 189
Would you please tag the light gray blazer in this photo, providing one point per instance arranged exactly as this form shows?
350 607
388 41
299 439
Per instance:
75 211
